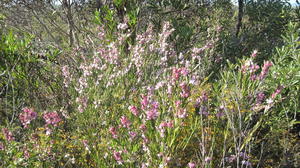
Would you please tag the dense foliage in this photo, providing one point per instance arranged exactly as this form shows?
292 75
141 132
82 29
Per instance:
165 83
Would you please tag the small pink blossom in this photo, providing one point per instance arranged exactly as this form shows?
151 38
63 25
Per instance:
260 97
153 112
265 69
145 139
184 71
254 54
203 110
27 116
277 91
1 146
67 75
26 153
185 93
253 77
181 113
132 134
134 110
113 131
48 130
51 118
177 103
246 163
144 102
117 156
176 74
231 158
220 114
122 26
170 124
143 127
162 126
253 68
204 97
144 165
207 159
7 134
192 165
125 122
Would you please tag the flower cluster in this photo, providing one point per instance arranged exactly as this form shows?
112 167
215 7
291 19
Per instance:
125 122
7 134
113 132
134 110
51 118
27 116
250 67
265 69
66 74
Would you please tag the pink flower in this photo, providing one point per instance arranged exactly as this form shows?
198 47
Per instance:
117 156
277 91
181 113
246 163
144 102
265 69
1 146
253 68
113 131
170 124
207 159
26 153
176 74
220 114
203 110
122 26
48 131
162 126
27 116
204 97
192 165
7 134
170 91
144 165
66 74
132 134
253 77
231 158
254 54
134 110
145 139
185 93
260 97
52 118
184 71
125 122
143 127
153 112
177 103
208 45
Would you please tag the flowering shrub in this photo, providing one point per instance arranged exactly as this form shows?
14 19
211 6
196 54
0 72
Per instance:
141 104
27 116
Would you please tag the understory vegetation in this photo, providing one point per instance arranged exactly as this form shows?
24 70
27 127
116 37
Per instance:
167 83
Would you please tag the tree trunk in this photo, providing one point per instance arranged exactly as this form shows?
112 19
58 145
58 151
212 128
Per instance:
240 17
68 8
